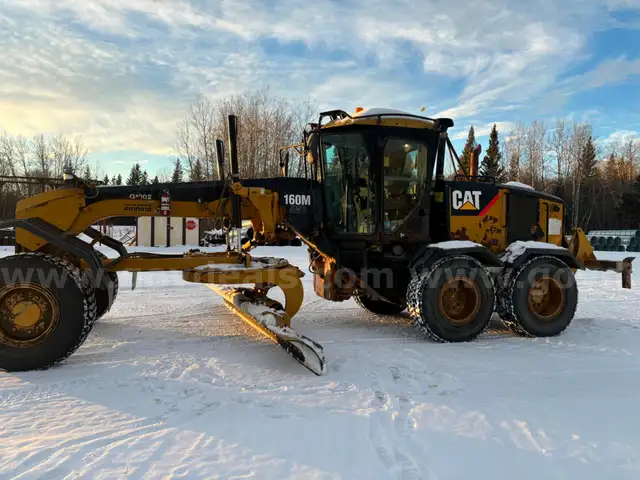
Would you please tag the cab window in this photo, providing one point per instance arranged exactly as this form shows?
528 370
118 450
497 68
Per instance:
405 174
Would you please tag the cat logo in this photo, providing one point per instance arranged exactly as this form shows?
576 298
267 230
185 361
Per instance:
469 200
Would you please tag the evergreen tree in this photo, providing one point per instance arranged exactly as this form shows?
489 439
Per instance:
114 180
119 180
468 151
631 200
177 172
144 180
589 159
155 180
197 173
135 176
492 162
105 180
87 173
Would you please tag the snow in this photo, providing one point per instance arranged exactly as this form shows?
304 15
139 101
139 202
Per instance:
518 184
453 244
171 384
255 265
517 248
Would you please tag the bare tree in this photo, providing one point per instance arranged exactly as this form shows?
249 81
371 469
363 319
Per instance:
514 151
265 124
559 143
164 175
534 149
67 154
186 144
42 165
40 156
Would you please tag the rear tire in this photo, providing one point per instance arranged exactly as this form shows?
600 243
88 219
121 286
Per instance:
452 300
538 299
47 309
107 292
379 307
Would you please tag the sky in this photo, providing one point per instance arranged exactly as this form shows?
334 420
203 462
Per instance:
122 73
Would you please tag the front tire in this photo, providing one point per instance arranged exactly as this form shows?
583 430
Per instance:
452 300
539 299
47 309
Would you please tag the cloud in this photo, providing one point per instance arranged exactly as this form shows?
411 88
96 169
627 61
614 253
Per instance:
609 72
484 130
122 72
620 137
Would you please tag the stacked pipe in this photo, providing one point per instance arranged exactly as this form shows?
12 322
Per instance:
615 240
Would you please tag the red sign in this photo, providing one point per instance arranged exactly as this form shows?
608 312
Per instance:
191 225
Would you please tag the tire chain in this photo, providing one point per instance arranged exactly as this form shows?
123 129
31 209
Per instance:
507 283
89 300
414 294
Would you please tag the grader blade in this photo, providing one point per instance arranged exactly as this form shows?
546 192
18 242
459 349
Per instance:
268 317
261 312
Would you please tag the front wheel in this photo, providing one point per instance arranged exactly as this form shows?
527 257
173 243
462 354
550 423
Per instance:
453 300
47 309
540 298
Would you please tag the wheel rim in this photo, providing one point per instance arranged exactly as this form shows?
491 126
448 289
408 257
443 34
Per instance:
546 298
459 300
28 314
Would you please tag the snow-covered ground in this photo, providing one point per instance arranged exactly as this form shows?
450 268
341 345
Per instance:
171 384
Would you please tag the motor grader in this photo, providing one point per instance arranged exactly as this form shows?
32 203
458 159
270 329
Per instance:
371 202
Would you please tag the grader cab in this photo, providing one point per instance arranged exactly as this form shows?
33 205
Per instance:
371 203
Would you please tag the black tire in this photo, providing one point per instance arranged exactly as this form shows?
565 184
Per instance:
426 306
560 308
60 298
379 307
107 291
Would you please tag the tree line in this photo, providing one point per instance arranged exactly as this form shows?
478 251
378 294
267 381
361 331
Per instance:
600 182
37 160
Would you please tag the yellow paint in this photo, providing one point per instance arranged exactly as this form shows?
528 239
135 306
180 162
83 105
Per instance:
287 278
488 230
26 314
67 210
551 222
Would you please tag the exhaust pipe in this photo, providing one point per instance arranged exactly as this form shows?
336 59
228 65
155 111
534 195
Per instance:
232 126
220 154
475 161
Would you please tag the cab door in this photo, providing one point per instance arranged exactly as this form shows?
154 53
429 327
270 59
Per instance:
349 189
405 187
350 193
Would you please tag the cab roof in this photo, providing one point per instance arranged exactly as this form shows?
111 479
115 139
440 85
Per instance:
383 117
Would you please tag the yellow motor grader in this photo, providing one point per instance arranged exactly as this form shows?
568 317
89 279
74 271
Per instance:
381 223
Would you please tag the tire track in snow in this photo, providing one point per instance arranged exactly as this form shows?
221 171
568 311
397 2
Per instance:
392 424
